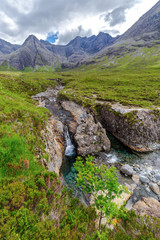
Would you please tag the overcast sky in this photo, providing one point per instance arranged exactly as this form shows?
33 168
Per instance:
20 18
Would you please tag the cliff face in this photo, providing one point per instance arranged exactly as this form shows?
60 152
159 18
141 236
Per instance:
139 129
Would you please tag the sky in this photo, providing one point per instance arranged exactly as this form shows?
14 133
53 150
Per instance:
60 21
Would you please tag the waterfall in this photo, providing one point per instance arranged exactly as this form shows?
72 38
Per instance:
70 148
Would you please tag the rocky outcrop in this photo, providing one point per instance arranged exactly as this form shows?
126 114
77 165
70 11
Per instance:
137 128
53 134
54 140
89 136
148 206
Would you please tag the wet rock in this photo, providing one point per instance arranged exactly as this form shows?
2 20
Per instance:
155 188
90 136
148 206
135 178
127 170
143 179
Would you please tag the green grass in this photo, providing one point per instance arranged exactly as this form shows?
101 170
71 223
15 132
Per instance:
27 197
131 78
21 120
139 87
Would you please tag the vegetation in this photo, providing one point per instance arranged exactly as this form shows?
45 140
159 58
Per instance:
102 184
130 87
33 202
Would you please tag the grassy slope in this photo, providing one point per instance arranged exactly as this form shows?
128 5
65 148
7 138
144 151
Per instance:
28 193
132 79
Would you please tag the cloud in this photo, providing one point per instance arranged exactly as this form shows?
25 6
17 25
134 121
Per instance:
115 17
41 17
65 37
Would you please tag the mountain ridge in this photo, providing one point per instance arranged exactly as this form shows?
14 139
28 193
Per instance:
33 52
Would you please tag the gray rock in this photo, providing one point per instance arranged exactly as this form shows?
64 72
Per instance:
127 169
155 188
157 176
144 179
90 136
130 126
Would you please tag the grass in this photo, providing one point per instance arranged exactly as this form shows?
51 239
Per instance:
134 88
21 121
27 197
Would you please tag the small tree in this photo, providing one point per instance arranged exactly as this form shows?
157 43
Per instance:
102 183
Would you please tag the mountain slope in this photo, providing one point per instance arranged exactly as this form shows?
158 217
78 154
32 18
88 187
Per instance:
30 54
80 47
147 27
6 47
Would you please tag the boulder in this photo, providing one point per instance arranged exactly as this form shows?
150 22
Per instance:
143 179
148 206
127 170
90 137
137 128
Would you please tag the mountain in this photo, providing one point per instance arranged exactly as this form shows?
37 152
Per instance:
145 33
6 47
147 27
34 52
30 54
80 47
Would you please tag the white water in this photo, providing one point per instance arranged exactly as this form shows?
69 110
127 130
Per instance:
112 158
70 148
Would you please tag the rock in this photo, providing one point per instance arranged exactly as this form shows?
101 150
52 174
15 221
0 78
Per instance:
155 188
135 178
90 137
54 140
127 169
137 128
157 176
148 206
124 198
143 179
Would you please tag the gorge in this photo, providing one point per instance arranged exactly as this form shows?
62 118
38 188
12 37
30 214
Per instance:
82 134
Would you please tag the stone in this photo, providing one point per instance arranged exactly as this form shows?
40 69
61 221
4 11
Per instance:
90 137
134 127
54 141
157 176
155 188
135 178
143 179
148 206
127 169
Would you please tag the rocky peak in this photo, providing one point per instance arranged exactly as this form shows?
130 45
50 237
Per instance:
31 40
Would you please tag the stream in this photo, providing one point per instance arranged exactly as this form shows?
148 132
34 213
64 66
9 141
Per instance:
145 165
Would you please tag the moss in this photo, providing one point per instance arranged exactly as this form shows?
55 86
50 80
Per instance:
131 117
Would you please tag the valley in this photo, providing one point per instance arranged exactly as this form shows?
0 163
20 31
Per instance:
96 98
